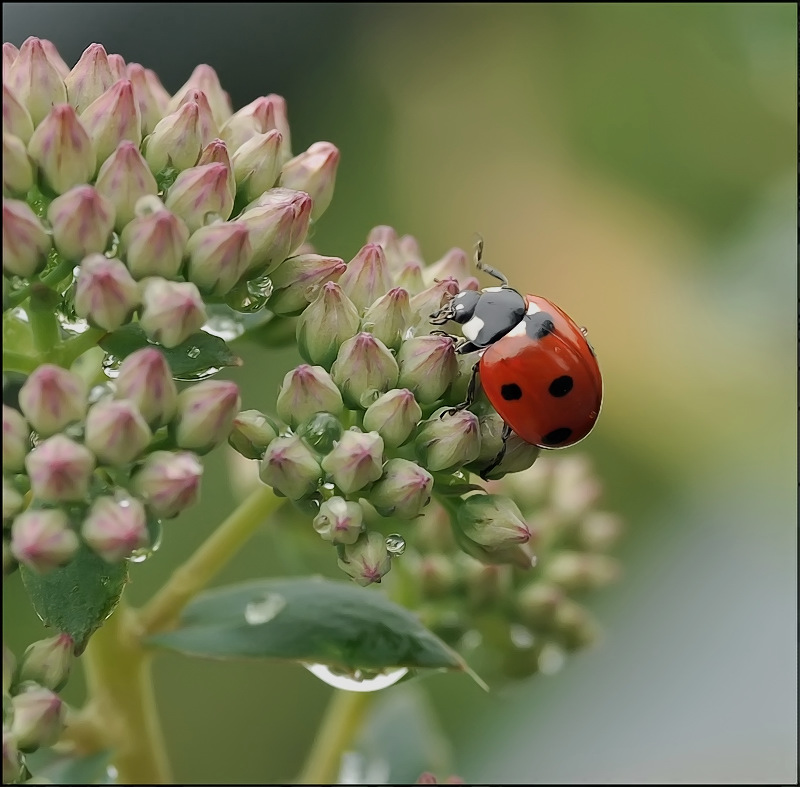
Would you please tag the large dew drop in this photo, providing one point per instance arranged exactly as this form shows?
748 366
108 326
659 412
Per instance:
263 608
358 680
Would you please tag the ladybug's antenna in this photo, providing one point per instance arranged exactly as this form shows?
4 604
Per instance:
482 266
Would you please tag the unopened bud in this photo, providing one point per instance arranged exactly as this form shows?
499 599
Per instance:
386 238
172 311
116 431
252 432
149 109
430 300
118 66
112 118
328 321
12 501
437 575
17 170
403 490
176 140
38 717
35 80
48 661
169 482
599 531
145 380
205 414
258 117
204 78
257 164
90 77
355 461
206 125
105 292
315 173
493 521
367 276
12 760
577 571
575 489
200 194
409 277
445 444
485 584
219 254
364 368
216 152
367 560
43 540
388 318
339 521
537 603
298 280
454 265
290 467
123 179
428 366
16 118
82 221
574 624
25 241
60 470
154 242
394 415
115 528
305 391
51 398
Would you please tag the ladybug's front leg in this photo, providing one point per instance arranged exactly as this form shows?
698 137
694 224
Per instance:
500 454
471 388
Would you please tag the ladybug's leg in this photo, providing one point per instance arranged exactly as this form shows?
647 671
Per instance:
471 386
500 454
482 266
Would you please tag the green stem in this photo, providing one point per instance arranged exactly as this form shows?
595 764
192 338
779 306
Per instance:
19 362
339 727
44 326
212 555
73 348
55 276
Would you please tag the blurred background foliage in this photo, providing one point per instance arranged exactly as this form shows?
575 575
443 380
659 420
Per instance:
636 164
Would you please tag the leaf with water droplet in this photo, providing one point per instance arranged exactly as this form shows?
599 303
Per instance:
200 356
78 597
336 624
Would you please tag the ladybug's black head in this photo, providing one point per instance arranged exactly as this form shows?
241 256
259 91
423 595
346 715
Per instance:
460 309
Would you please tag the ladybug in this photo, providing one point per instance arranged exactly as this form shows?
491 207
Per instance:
537 368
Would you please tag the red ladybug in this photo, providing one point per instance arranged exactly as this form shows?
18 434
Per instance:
536 367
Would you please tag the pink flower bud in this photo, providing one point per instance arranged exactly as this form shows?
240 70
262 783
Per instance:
428 366
38 717
251 434
403 490
204 78
290 467
339 521
154 243
425 303
364 368
368 560
216 152
200 194
13 769
158 90
35 81
52 398
17 170
257 163
111 118
388 318
146 380
367 276
218 256
55 58
16 440
355 461
118 66
172 311
115 528
315 173
60 470
448 443
206 125
10 54
205 414
307 390
493 521
25 241
90 77
62 149
394 416
176 140
48 661
454 265
169 482
258 117
149 110
105 292
16 118
42 539
82 221
123 179
296 282
116 431
328 321
409 277
386 238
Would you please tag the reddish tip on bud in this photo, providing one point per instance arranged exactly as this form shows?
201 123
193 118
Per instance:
48 661
115 528
176 140
329 320
123 179
35 80
403 490
116 431
364 368
16 118
219 254
51 398
153 243
290 467
454 265
16 440
257 164
60 470
367 276
425 303
305 391
90 77
146 380
172 311
216 152
105 292
82 221
315 173
111 118
207 126
448 443
201 194
258 117
386 238
493 521
339 521
205 414
17 170
205 79
25 241
355 461
43 540
428 366
388 318
169 482
394 416
298 280
367 560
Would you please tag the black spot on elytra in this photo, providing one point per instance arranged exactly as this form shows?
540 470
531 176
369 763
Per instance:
511 391
539 325
561 386
557 436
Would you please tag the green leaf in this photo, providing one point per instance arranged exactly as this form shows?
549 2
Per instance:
67 769
78 597
191 360
309 620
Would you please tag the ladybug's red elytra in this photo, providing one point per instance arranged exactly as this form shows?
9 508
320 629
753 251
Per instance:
537 368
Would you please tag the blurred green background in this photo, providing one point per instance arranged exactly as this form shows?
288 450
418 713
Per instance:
636 164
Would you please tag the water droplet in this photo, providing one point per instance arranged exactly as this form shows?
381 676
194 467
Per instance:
551 659
193 352
260 287
263 608
111 774
197 374
357 680
471 640
356 769
101 391
521 636
395 544
226 326
111 366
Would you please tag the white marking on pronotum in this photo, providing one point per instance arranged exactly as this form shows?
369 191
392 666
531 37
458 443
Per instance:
472 328
460 307
520 329
532 308
493 289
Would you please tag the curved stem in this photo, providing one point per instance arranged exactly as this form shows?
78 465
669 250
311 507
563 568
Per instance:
19 362
73 348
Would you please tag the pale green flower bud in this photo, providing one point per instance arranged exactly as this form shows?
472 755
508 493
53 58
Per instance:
16 440
17 170
38 717
153 243
145 379
427 366
116 431
305 391
205 414
113 118
537 602
55 58
82 221
321 432
62 149
219 254
519 456
367 276
205 79
290 467
298 280
315 173
12 759
367 560
52 398
328 321
25 241
169 482
491 428
118 66
364 367
394 415
12 501
258 117
425 303
409 277
388 318
60 470
115 528
206 124
598 531
251 434
257 163
35 81
577 571
159 92
43 540
339 521
485 584
172 311
216 152
48 661
386 238
454 265
200 194
355 461
90 77
176 140
575 626
149 109
493 521
437 575
445 444
105 293
16 118
403 490
123 180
